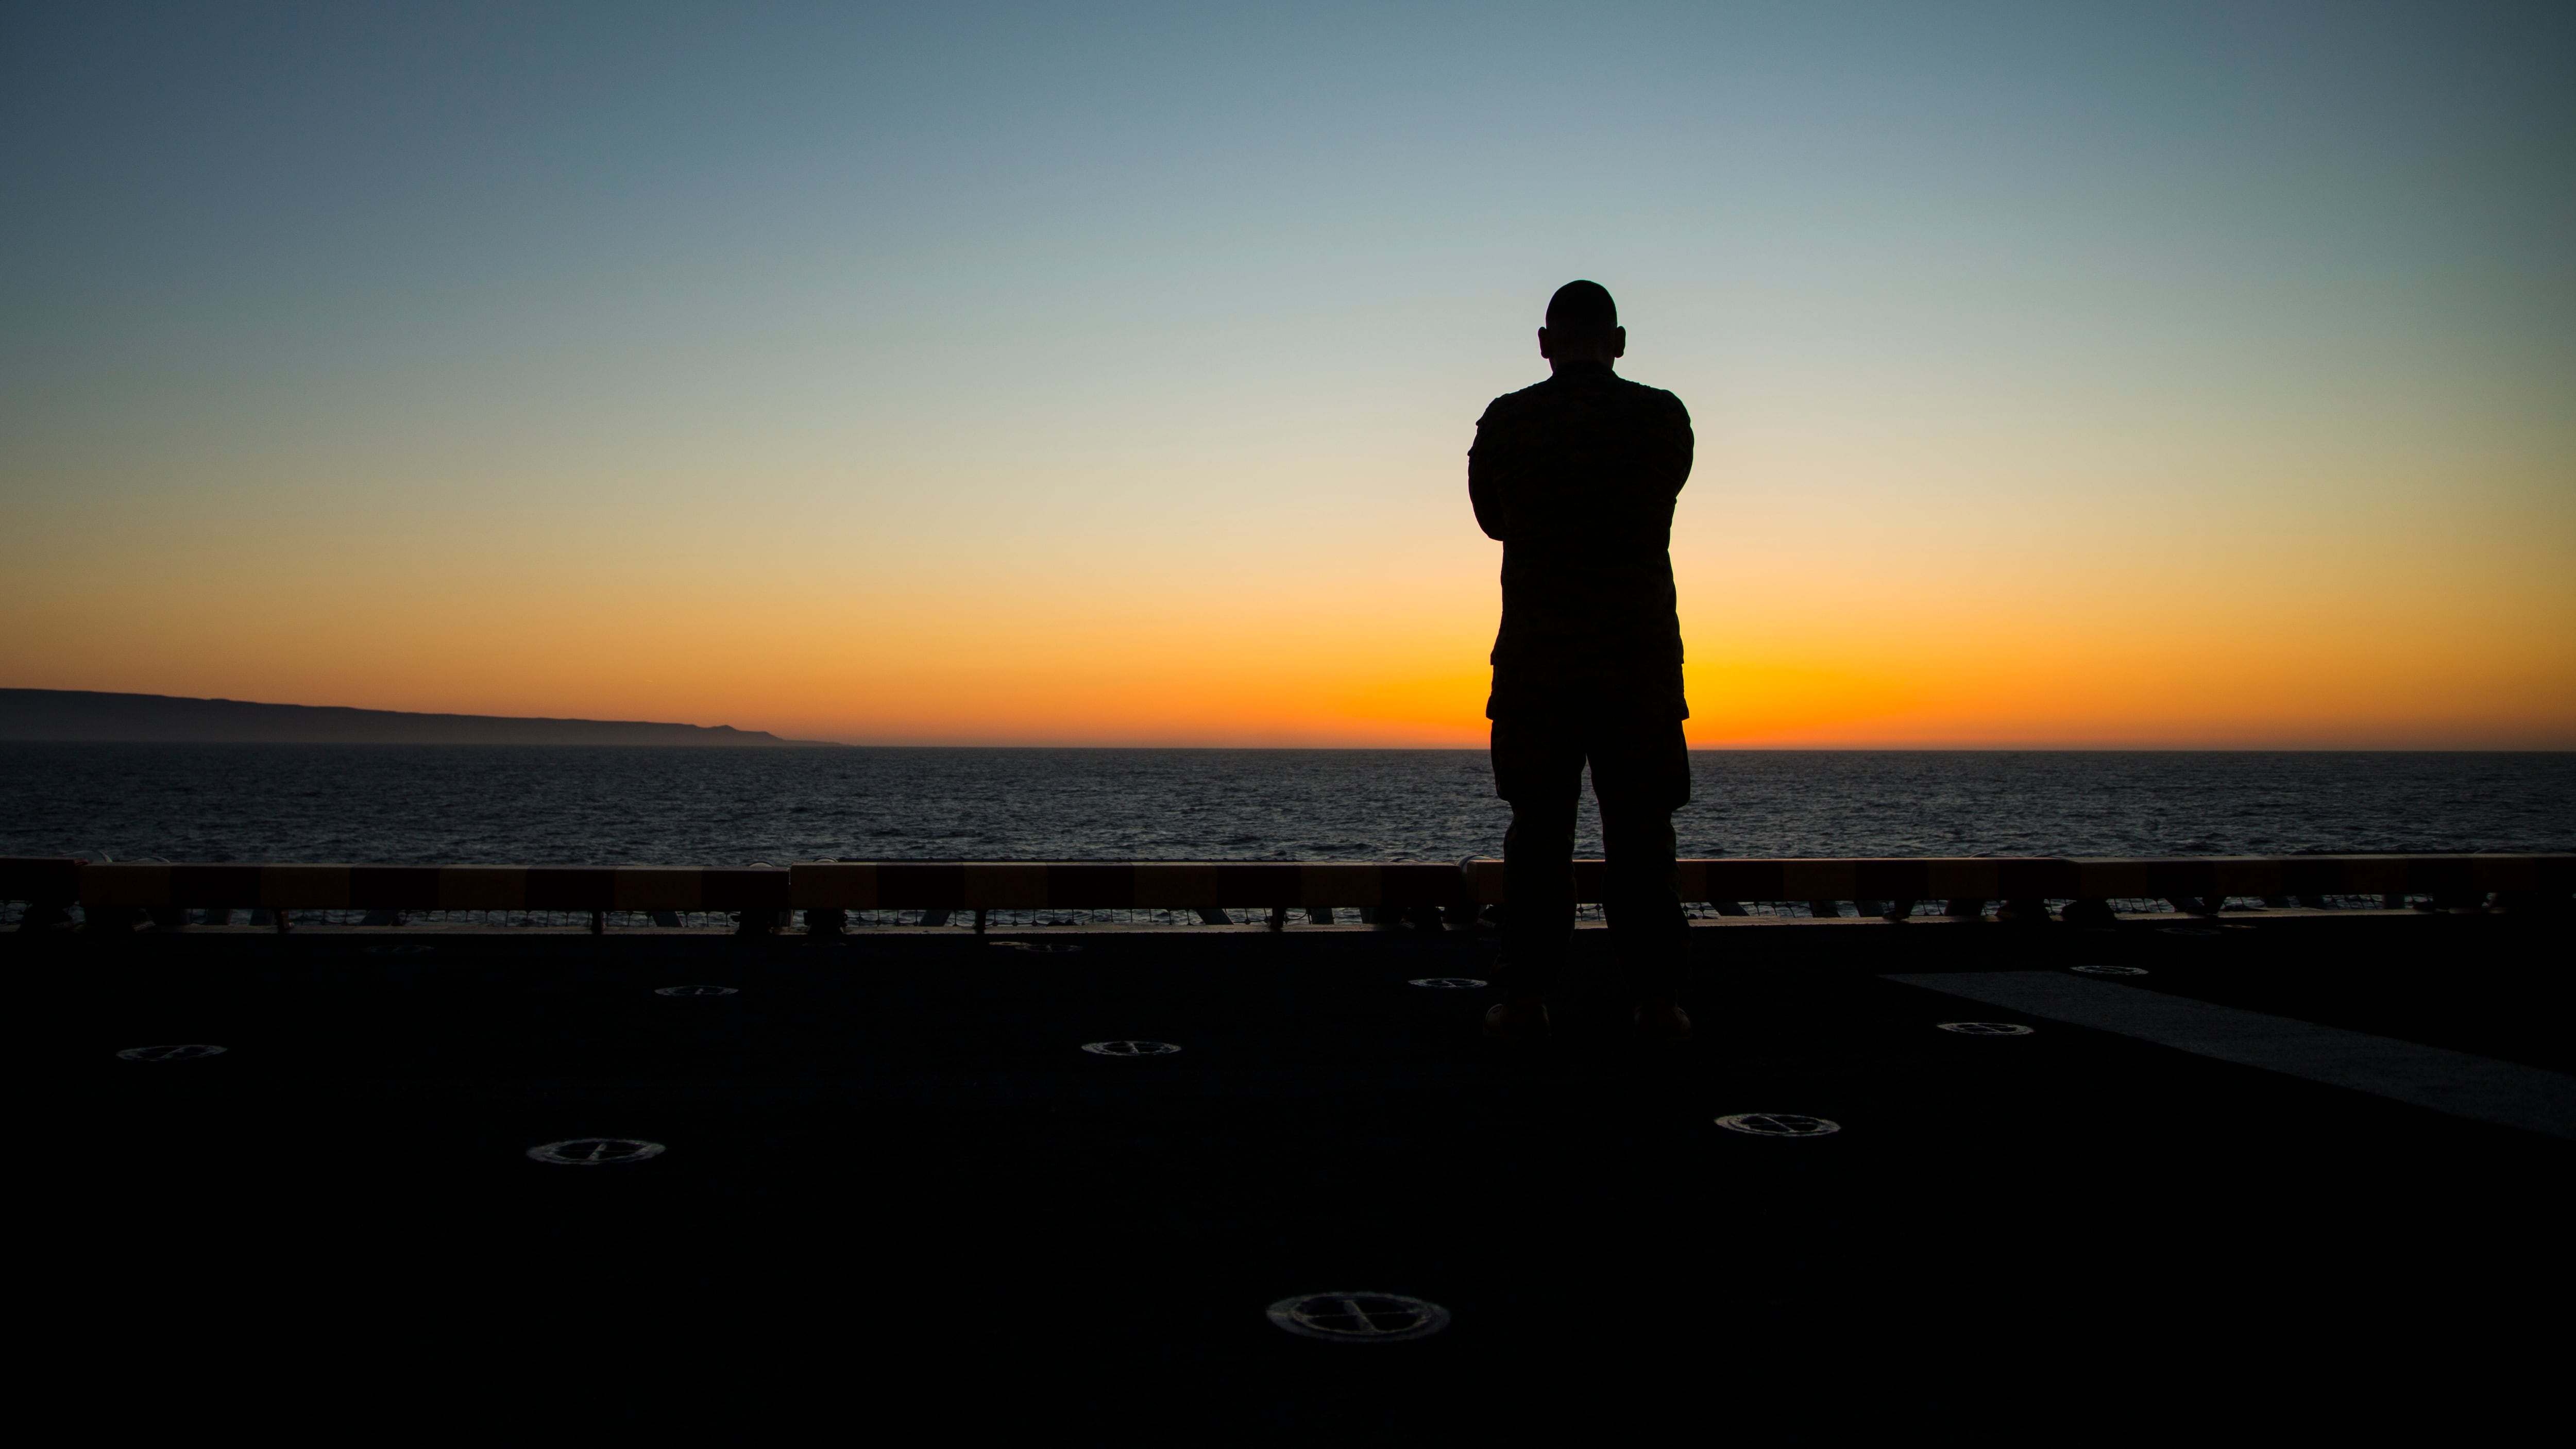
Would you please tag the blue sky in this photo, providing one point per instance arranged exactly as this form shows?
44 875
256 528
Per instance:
988 330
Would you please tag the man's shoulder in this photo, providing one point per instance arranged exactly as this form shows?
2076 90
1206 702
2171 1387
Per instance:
1511 403
1553 393
1645 395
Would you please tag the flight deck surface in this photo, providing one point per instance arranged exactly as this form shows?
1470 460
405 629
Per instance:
894 1194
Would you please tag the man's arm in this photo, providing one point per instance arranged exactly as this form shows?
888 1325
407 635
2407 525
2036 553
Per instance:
1485 478
1676 444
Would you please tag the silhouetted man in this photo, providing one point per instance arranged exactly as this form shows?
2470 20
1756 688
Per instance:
1577 477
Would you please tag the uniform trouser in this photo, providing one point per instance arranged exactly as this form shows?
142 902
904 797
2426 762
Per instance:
1640 776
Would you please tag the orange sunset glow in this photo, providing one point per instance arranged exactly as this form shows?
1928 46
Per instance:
2037 404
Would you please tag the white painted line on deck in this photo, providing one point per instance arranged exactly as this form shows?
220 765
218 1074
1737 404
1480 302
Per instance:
2480 1088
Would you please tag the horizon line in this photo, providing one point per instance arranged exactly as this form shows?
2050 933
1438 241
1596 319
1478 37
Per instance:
1727 749
811 738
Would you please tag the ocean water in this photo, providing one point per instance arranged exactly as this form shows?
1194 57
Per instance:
407 804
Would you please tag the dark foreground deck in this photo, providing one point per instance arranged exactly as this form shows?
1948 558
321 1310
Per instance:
900 1203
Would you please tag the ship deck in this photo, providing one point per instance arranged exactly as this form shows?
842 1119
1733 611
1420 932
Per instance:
897 1192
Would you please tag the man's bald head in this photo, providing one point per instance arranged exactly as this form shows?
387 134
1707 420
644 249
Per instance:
1582 326
1582 309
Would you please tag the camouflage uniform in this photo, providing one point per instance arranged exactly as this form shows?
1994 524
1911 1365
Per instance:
1577 476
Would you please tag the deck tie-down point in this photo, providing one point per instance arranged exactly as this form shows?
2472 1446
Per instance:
1778 1124
596 1151
1125 1048
1359 1317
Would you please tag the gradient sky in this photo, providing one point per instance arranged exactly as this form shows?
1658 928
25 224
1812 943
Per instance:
2065 374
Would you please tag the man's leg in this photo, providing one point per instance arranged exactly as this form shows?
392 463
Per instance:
1538 767
1641 775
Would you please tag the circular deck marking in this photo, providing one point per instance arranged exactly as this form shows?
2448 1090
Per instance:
697 991
1986 1028
594 1151
1359 1317
1778 1124
1129 1048
2110 970
1447 983
1057 948
2188 930
186 1053
397 950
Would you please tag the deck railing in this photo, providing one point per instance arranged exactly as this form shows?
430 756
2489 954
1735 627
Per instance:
122 895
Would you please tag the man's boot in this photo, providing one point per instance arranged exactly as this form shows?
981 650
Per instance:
1517 1019
1663 1024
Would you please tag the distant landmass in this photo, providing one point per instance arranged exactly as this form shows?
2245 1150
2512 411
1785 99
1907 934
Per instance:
87 716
